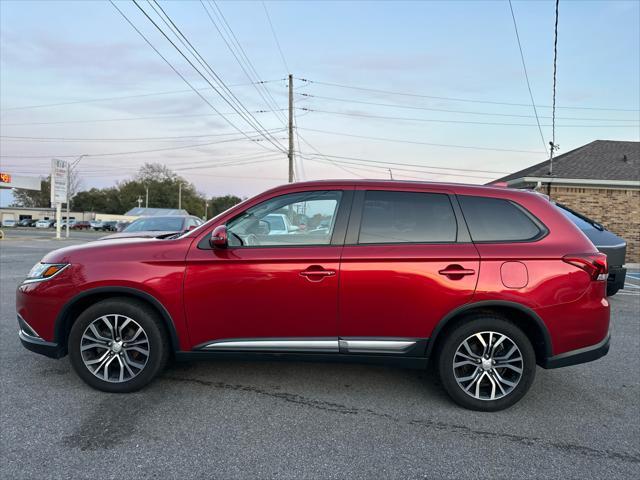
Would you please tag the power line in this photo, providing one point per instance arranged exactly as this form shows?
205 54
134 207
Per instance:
414 142
389 92
275 37
464 122
124 139
467 112
125 119
418 165
232 101
401 168
125 97
238 46
249 62
135 152
526 76
184 79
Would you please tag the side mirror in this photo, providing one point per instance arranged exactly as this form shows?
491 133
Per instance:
219 237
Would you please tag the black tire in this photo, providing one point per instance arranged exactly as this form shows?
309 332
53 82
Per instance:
612 289
470 326
145 317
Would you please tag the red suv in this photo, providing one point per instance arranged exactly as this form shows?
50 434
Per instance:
486 282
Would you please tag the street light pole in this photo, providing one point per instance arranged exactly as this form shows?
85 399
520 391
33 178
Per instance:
69 168
179 195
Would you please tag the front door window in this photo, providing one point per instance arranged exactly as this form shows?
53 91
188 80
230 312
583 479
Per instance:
295 219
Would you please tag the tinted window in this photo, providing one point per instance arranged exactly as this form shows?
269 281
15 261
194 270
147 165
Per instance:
305 218
156 224
407 217
497 220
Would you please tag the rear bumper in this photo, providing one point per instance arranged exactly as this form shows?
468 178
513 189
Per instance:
616 277
582 355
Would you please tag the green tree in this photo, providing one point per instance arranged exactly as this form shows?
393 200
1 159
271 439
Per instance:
220 204
163 186
33 198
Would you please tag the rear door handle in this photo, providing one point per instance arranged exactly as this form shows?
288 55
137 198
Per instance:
453 271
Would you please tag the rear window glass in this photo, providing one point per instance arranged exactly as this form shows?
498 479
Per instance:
497 220
407 217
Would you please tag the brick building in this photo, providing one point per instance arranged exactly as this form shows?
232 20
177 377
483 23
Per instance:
600 180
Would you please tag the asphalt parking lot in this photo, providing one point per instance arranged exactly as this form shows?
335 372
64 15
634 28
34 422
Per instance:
233 419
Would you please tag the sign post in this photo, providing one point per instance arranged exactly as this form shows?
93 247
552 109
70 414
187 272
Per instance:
59 185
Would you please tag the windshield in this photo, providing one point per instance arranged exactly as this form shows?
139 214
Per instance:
155 225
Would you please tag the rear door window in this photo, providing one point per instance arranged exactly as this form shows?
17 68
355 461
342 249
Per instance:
498 220
407 217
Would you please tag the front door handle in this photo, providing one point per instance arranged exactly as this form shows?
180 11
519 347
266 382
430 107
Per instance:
456 272
315 273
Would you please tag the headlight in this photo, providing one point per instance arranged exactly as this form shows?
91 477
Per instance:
44 271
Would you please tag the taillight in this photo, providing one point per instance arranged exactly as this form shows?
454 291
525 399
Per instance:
595 264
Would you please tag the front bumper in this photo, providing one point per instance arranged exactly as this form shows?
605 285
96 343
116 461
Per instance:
582 355
31 341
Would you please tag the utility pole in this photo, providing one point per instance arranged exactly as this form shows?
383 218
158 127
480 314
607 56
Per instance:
290 128
146 201
70 166
180 196
206 205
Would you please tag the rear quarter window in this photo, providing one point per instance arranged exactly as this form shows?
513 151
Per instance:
498 220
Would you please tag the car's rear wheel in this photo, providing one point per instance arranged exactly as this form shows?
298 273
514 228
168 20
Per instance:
486 363
118 345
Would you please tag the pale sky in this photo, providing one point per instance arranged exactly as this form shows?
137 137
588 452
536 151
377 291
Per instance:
462 52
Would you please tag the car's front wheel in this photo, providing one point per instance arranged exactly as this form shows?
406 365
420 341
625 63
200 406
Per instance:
486 363
118 345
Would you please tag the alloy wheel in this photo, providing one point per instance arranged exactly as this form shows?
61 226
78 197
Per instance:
488 365
115 348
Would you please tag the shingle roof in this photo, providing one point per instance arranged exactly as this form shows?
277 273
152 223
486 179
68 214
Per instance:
598 160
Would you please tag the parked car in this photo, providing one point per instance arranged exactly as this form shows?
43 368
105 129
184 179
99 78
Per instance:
605 241
27 222
96 224
120 226
110 226
45 223
9 222
71 222
484 282
279 224
148 227
83 225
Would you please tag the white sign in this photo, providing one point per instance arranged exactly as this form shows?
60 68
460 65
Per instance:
59 179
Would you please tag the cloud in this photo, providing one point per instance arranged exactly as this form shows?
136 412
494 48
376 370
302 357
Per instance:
104 63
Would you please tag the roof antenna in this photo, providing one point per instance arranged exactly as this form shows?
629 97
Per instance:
390 174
